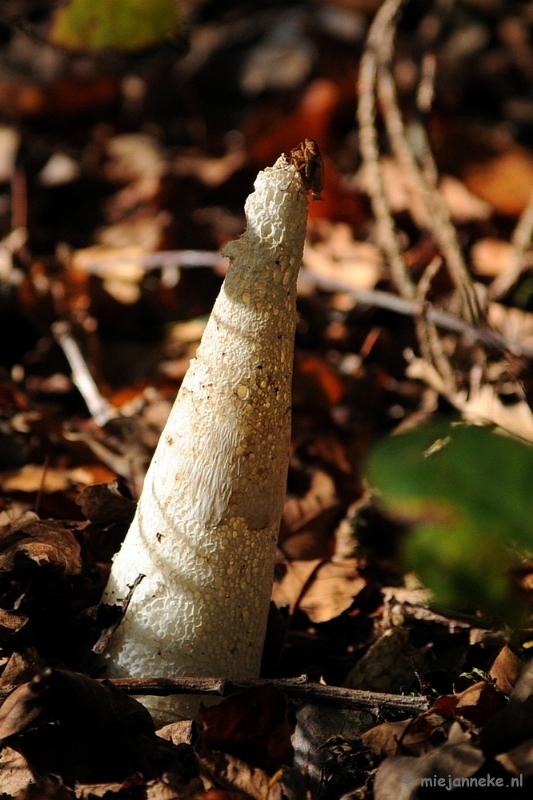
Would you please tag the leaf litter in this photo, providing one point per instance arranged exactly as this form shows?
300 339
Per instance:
121 243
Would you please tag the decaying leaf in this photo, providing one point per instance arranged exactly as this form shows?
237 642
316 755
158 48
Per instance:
104 504
389 665
49 543
400 777
321 589
67 724
252 726
506 670
504 181
236 775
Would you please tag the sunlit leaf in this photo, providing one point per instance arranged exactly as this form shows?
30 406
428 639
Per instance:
468 493
115 24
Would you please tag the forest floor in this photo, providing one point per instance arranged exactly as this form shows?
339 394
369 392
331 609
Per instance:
122 177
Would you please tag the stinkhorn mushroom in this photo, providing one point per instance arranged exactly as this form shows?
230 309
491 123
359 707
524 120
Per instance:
205 532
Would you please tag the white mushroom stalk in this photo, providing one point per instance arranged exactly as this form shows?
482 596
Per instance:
207 522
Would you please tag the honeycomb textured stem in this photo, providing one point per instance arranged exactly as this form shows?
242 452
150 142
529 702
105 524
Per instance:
205 532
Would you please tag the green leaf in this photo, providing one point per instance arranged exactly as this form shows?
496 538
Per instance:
468 492
115 24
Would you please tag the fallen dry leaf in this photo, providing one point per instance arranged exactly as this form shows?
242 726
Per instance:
36 478
389 665
462 204
220 794
478 703
49 543
478 405
513 323
315 378
321 589
400 777
14 771
103 504
400 193
506 670
146 229
385 739
491 256
179 732
338 256
211 171
308 521
236 775
252 726
70 725
504 181
95 791
518 760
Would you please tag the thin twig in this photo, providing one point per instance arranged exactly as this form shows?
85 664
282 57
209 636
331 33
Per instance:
98 406
366 113
168 259
297 689
427 335
399 305
40 491
521 242
437 215
425 92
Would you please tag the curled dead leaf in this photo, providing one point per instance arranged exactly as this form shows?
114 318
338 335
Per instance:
49 543
321 589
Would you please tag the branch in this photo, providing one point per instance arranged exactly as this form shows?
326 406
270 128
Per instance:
521 242
410 308
297 689
366 113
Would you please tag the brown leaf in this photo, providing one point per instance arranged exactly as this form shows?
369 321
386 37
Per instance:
130 788
21 668
421 734
491 257
390 663
508 729
50 543
234 774
22 707
413 735
252 726
308 521
481 404
314 378
94 791
400 777
14 771
179 732
512 323
10 622
519 760
322 589
103 504
70 725
385 739
34 478
220 794
504 181
338 256
462 204
506 670
479 703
